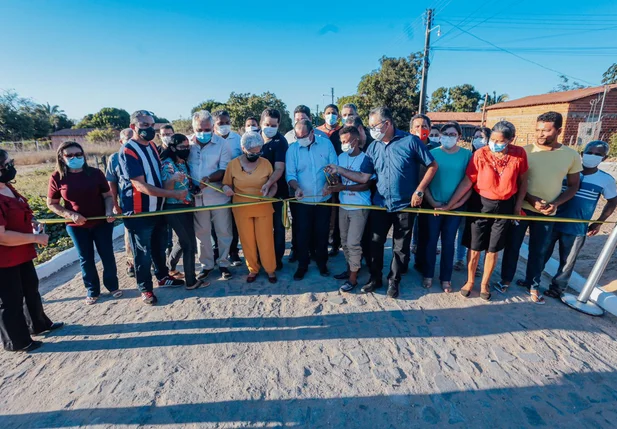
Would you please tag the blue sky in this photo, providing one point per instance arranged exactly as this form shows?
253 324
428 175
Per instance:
169 56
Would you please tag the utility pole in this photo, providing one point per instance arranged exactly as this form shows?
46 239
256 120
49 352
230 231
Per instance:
484 109
427 47
331 95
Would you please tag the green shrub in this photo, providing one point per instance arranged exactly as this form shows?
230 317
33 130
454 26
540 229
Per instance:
612 141
102 136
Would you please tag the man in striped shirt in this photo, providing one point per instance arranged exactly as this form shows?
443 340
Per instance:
142 192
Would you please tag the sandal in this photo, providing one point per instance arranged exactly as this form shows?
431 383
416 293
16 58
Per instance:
552 293
117 293
91 300
446 287
197 284
427 283
500 287
466 292
536 298
486 296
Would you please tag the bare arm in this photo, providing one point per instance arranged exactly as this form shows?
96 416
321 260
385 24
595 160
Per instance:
272 192
53 204
607 211
463 188
354 176
13 238
573 183
108 198
431 170
113 188
139 183
462 201
522 192
279 170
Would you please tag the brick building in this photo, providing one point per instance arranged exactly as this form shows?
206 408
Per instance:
577 106
69 134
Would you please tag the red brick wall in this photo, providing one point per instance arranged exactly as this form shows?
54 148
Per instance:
524 118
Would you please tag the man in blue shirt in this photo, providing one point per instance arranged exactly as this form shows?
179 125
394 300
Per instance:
305 162
396 157
571 236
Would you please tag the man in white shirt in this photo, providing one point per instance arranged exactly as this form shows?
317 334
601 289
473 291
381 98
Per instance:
222 128
302 112
207 162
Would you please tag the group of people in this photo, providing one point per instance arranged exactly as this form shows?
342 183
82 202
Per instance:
348 182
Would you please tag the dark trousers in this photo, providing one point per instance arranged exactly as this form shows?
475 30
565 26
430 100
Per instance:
539 240
420 231
186 247
21 309
294 226
313 225
381 222
233 249
148 237
446 228
84 240
170 237
279 232
569 248
366 242
336 232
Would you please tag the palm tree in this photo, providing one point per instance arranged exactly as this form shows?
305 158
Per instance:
493 100
53 114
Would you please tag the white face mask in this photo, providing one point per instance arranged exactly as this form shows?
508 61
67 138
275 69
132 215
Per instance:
346 147
433 139
251 129
448 142
166 140
270 131
591 161
479 142
223 130
378 134
304 142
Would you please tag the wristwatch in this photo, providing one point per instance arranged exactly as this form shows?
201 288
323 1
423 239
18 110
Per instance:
419 194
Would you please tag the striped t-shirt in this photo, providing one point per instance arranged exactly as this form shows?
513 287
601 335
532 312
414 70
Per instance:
139 160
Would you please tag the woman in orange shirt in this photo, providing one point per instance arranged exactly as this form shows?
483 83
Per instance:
498 175
248 174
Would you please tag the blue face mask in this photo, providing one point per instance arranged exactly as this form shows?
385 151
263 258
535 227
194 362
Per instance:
331 119
75 163
497 147
204 137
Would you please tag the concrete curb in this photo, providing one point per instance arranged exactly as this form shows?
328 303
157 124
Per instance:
606 300
67 257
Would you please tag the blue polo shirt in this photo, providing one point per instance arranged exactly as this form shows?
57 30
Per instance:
396 165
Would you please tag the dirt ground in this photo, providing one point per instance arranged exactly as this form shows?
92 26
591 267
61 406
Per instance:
299 354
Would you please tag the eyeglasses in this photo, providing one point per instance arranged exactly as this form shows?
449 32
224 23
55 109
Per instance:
377 127
73 155
143 113
450 134
9 164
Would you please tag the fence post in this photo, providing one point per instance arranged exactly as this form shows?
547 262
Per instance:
581 302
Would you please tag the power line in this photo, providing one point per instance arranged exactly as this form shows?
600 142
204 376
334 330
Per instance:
562 34
519 57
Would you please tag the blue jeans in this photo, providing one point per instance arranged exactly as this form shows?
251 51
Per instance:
446 227
461 251
148 237
540 234
84 240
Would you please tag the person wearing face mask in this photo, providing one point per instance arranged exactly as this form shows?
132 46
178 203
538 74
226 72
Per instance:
452 160
497 177
549 162
175 175
208 160
250 174
571 236
251 125
434 137
165 134
302 112
21 310
143 191
222 128
274 150
305 162
396 157
352 220
85 193
348 110
481 137
112 174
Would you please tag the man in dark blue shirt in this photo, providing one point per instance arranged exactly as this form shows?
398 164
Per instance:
396 158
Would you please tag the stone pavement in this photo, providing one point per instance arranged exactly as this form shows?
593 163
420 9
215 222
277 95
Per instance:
299 354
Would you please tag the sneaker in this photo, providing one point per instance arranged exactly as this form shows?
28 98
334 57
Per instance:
149 298
235 260
459 265
348 286
393 289
203 274
371 286
170 281
225 273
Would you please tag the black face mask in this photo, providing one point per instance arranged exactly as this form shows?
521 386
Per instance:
252 157
146 133
8 174
183 153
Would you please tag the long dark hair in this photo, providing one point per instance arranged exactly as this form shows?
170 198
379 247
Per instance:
176 139
4 155
61 167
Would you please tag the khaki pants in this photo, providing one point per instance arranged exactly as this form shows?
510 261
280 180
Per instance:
352 223
257 238
221 218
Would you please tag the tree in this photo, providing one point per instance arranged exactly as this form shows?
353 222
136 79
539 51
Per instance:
56 117
465 98
395 85
19 119
440 100
610 76
495 99
241 106
102 136
107 117
565 85
183 126
361 103
210 105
